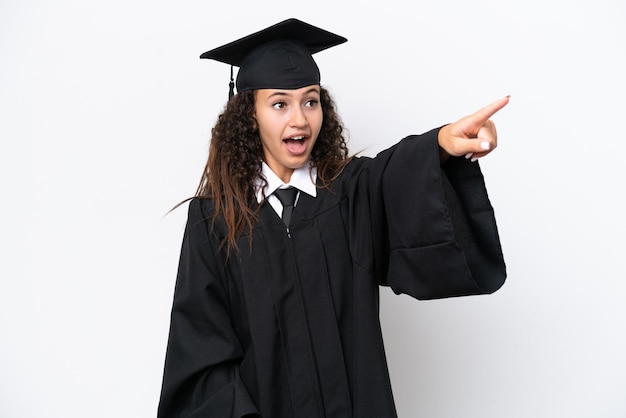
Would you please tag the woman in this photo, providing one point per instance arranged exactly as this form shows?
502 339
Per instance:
279 317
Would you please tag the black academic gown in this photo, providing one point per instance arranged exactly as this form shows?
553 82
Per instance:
289 327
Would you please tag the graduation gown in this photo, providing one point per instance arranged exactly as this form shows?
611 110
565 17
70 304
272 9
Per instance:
289 326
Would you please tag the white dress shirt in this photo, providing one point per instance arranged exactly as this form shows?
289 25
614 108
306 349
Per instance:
303 179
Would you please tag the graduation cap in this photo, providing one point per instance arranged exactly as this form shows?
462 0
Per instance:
277 57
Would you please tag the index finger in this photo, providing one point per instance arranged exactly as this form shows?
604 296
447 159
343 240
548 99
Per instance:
488 111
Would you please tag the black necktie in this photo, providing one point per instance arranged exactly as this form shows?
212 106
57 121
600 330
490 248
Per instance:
287 198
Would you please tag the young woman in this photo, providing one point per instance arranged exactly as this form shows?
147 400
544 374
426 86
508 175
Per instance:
279 317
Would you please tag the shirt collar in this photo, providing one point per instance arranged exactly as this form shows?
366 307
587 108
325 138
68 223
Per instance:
302 178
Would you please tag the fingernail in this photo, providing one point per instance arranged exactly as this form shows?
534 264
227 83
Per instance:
485 145
468 155
474 159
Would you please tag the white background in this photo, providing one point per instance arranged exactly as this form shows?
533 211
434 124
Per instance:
105 116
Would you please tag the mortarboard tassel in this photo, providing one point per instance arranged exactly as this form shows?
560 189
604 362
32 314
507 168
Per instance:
231 91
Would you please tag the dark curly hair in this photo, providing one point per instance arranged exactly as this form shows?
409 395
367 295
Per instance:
236 155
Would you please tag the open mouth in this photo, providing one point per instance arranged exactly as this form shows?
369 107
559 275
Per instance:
294 139
296 144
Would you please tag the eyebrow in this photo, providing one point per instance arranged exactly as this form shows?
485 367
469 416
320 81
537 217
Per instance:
286 92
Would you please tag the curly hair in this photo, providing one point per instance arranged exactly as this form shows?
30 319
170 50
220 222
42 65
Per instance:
236 156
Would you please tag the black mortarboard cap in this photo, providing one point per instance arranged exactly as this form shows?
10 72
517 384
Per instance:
277 57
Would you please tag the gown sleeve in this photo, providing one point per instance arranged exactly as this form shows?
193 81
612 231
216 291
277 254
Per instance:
201 376
439 230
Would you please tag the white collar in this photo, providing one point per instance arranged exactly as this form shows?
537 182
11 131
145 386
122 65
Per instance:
302 178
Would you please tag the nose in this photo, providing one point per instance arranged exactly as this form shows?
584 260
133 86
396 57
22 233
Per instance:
298 118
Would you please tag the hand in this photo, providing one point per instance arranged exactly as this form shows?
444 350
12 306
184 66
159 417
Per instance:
473 136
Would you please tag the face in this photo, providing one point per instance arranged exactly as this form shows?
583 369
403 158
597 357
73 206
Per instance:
289 122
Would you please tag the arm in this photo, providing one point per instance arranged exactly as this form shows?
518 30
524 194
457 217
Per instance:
201 376
433 226
441 228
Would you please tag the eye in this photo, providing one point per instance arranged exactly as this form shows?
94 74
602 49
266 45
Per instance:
311 103
279 105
